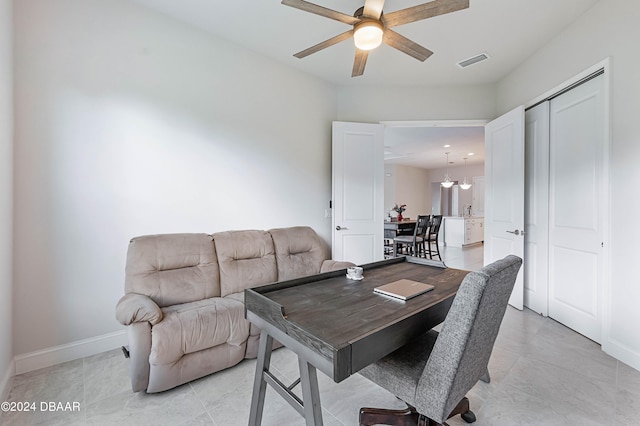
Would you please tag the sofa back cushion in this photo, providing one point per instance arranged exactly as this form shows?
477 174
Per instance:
246 259
299 252
172 268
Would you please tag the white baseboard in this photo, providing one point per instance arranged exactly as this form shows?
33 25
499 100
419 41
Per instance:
622 353
69 352
6 381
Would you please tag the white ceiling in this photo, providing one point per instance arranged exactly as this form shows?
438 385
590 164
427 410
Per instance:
509 31
424 147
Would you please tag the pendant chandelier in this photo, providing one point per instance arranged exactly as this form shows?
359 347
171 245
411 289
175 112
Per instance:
465 185
447 182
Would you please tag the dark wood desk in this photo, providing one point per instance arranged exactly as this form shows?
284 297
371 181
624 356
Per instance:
339 325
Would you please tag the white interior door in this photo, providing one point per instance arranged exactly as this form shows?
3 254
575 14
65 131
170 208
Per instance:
576 198
358 192
504 193
536 216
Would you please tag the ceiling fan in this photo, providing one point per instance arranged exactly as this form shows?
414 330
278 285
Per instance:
371 27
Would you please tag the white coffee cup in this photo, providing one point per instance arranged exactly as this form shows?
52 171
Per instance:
354 272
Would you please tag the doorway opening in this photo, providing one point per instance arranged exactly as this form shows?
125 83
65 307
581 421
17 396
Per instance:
416 161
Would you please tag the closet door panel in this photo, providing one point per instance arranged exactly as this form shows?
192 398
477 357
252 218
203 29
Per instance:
575 213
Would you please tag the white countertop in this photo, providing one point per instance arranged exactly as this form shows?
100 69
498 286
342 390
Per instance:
464 217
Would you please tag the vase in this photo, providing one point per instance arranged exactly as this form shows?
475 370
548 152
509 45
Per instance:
399 217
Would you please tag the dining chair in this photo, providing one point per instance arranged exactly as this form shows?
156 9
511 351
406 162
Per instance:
432 236
415 242
433 373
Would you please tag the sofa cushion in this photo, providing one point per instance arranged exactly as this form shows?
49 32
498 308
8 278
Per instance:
172 268
246 259
194 326
299 252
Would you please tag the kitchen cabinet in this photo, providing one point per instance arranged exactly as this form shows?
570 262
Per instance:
477 203
463 231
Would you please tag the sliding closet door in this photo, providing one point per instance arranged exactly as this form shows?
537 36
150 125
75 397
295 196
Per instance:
576 192
536 209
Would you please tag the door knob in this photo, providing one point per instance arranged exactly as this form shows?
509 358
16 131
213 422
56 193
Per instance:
339 228
516 232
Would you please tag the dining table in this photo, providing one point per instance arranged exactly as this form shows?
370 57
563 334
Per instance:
393 229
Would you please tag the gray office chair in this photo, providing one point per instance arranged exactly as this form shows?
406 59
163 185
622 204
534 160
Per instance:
415 242
432 373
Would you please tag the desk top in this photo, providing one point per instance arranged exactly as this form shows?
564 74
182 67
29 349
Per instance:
348 324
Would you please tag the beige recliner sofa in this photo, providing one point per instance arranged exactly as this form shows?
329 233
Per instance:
184 302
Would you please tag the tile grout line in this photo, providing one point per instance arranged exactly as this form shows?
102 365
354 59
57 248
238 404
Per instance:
84 389
202 403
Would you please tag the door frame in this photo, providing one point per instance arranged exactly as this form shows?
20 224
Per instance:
435 123
605 65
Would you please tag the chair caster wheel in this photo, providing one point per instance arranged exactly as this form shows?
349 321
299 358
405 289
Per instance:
468 416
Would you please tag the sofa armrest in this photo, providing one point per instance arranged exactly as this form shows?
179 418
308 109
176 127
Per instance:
334 265
134 307
139 335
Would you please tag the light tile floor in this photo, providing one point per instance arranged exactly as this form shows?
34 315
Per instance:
542 374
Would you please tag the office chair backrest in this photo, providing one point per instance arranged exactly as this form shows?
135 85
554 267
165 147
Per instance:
461 352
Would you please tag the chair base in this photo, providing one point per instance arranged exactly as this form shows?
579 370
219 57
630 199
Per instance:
410 417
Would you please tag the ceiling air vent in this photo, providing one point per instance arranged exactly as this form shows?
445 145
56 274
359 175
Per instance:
474 60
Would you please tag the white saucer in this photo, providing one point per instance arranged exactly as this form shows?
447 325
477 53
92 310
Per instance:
353 278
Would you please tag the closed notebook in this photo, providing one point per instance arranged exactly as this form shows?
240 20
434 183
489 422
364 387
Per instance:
403 289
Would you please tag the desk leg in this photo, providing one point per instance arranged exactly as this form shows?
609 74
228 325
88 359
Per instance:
259 384
310 393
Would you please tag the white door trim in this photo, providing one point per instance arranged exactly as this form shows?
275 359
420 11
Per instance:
435 123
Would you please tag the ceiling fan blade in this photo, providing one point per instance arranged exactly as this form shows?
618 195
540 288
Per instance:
373 9
423 11
322 11
333 40
405 45
359 62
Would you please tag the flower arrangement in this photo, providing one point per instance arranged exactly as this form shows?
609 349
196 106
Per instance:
399 208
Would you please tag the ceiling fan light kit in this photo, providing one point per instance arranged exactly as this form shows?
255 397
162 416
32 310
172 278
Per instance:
367 35
371 27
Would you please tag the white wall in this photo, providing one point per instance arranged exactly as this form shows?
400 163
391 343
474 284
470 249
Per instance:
6 195
412 185
414 190
389 188
458 174
373 104
609 29
131 123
